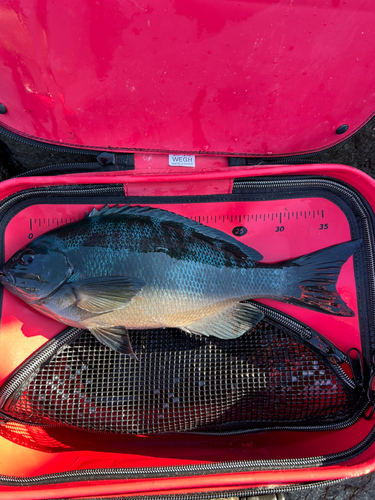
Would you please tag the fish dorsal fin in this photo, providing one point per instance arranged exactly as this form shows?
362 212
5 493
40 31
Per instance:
107 293
230 323
114 337
214 236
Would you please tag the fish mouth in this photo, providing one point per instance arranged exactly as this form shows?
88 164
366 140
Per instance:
6 277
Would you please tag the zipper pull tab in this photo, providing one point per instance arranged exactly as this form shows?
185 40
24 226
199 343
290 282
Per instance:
355 362
332 352
371 391
106 159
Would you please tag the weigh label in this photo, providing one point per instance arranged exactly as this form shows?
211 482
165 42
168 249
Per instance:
182 160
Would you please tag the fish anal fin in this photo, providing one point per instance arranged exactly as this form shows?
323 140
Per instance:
114 337
104 294
230 323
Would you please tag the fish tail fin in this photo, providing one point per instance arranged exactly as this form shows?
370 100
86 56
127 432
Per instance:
313 279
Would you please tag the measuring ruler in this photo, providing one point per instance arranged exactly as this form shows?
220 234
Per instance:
278 229
216 218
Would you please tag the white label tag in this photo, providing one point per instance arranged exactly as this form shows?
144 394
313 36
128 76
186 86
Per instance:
182 160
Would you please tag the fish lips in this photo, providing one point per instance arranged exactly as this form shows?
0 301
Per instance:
21 283
5 277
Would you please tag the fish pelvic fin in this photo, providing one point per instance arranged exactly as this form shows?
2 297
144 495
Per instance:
114 337
313 279
230 323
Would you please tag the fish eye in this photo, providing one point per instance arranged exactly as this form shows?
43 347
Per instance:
27 257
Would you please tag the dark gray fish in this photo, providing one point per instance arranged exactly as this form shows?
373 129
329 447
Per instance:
140 268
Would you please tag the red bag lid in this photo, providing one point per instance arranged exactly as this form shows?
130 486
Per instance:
266 77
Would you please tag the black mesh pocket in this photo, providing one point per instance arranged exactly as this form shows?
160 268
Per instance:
182 383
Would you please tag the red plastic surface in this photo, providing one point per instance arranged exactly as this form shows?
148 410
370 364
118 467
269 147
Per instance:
263 77
29 452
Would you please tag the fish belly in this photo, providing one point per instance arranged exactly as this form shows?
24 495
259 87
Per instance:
172 312
176 303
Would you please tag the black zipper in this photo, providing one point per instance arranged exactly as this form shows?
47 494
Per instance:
308 336
70 168
92 189
44 145
230 494
104 159
43 354
246 494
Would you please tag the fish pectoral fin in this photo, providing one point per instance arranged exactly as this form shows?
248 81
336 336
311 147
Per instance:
230 323
99 295
114 337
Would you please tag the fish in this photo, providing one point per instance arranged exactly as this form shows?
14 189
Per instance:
134 267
